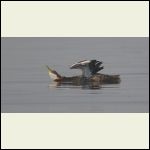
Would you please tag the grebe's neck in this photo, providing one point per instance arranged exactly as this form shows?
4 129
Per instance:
86 72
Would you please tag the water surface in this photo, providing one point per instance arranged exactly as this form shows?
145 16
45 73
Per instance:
26 86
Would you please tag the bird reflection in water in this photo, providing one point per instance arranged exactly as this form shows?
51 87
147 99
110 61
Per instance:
85 85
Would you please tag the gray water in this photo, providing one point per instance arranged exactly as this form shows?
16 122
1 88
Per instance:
26 86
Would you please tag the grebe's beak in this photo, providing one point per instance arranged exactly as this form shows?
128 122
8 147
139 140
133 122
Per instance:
76 66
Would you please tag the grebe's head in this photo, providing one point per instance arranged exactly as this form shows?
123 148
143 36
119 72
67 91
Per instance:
88 67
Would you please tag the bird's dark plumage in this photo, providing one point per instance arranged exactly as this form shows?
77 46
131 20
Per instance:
95 66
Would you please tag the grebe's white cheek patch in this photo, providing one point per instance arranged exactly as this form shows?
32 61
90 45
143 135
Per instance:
85 62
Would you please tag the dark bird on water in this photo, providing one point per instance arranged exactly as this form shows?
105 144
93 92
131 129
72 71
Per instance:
90 69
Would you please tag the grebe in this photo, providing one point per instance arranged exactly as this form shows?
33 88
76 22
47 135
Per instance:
90 69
